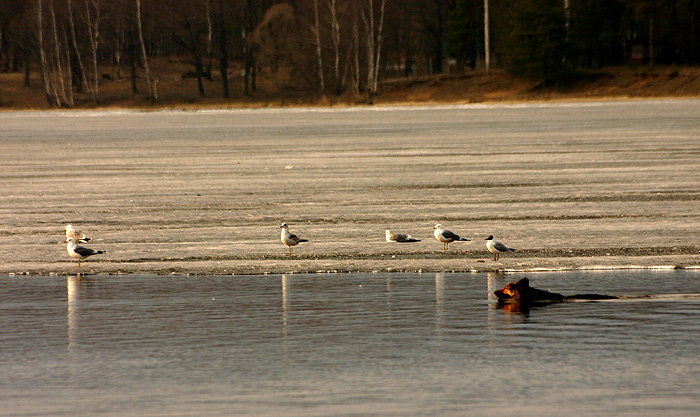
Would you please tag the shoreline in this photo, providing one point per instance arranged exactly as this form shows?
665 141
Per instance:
324 107
262 267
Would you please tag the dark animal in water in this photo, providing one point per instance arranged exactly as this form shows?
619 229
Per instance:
521 292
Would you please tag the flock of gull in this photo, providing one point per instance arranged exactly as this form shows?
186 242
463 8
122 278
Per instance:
74 236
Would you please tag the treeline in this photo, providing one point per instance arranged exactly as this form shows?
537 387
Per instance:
331 47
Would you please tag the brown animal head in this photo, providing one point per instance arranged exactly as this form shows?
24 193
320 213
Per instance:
513 291
522 292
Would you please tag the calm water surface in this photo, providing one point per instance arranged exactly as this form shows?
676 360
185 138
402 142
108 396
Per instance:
347 345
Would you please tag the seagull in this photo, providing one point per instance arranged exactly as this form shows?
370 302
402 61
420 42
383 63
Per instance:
399 237
496 247
290 239
80 252
75 234
445 236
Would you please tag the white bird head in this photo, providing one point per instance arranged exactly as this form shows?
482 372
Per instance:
284 226
437 226
68 227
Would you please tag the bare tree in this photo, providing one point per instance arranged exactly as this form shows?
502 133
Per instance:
210 33
153 93
93 25
57 53
374 45
356 53
319 56
335 38
220 11
76 49
69 77
42 54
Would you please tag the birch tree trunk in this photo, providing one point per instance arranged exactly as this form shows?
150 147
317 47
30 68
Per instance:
335 37
374 45
69 68
319 55
42 52
210 33
151 85
356 54
377 60
368 19
57 52
94 35
118 45
74 42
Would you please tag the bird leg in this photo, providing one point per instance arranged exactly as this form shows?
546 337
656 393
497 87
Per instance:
78 263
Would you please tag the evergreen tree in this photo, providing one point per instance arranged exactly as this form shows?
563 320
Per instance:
537 44
465 31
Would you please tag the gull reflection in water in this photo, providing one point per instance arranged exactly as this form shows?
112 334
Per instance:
285 310
439 300
492 280
285 304
73 286
492 284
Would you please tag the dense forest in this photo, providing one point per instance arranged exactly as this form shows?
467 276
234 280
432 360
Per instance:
331 47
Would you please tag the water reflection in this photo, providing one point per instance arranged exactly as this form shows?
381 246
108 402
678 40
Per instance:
285 306
492 285
73 287
439 300
392 334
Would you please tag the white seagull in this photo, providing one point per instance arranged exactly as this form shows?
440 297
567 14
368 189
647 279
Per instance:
445 236
496 247
399 237
290 239
79 236
80 252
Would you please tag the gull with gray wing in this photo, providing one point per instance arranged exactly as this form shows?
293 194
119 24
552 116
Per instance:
496 247
289 239
80 252
445 236
399 237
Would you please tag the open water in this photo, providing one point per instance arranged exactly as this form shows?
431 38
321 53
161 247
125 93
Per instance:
347 345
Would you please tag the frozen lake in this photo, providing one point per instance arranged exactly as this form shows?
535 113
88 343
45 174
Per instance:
347 345
571 185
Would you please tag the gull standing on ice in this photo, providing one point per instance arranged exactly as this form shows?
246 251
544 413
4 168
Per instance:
399 237
290 239
80 252
445 236
496 247
79 236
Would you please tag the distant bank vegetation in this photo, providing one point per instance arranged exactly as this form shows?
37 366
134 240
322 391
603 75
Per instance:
91 52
